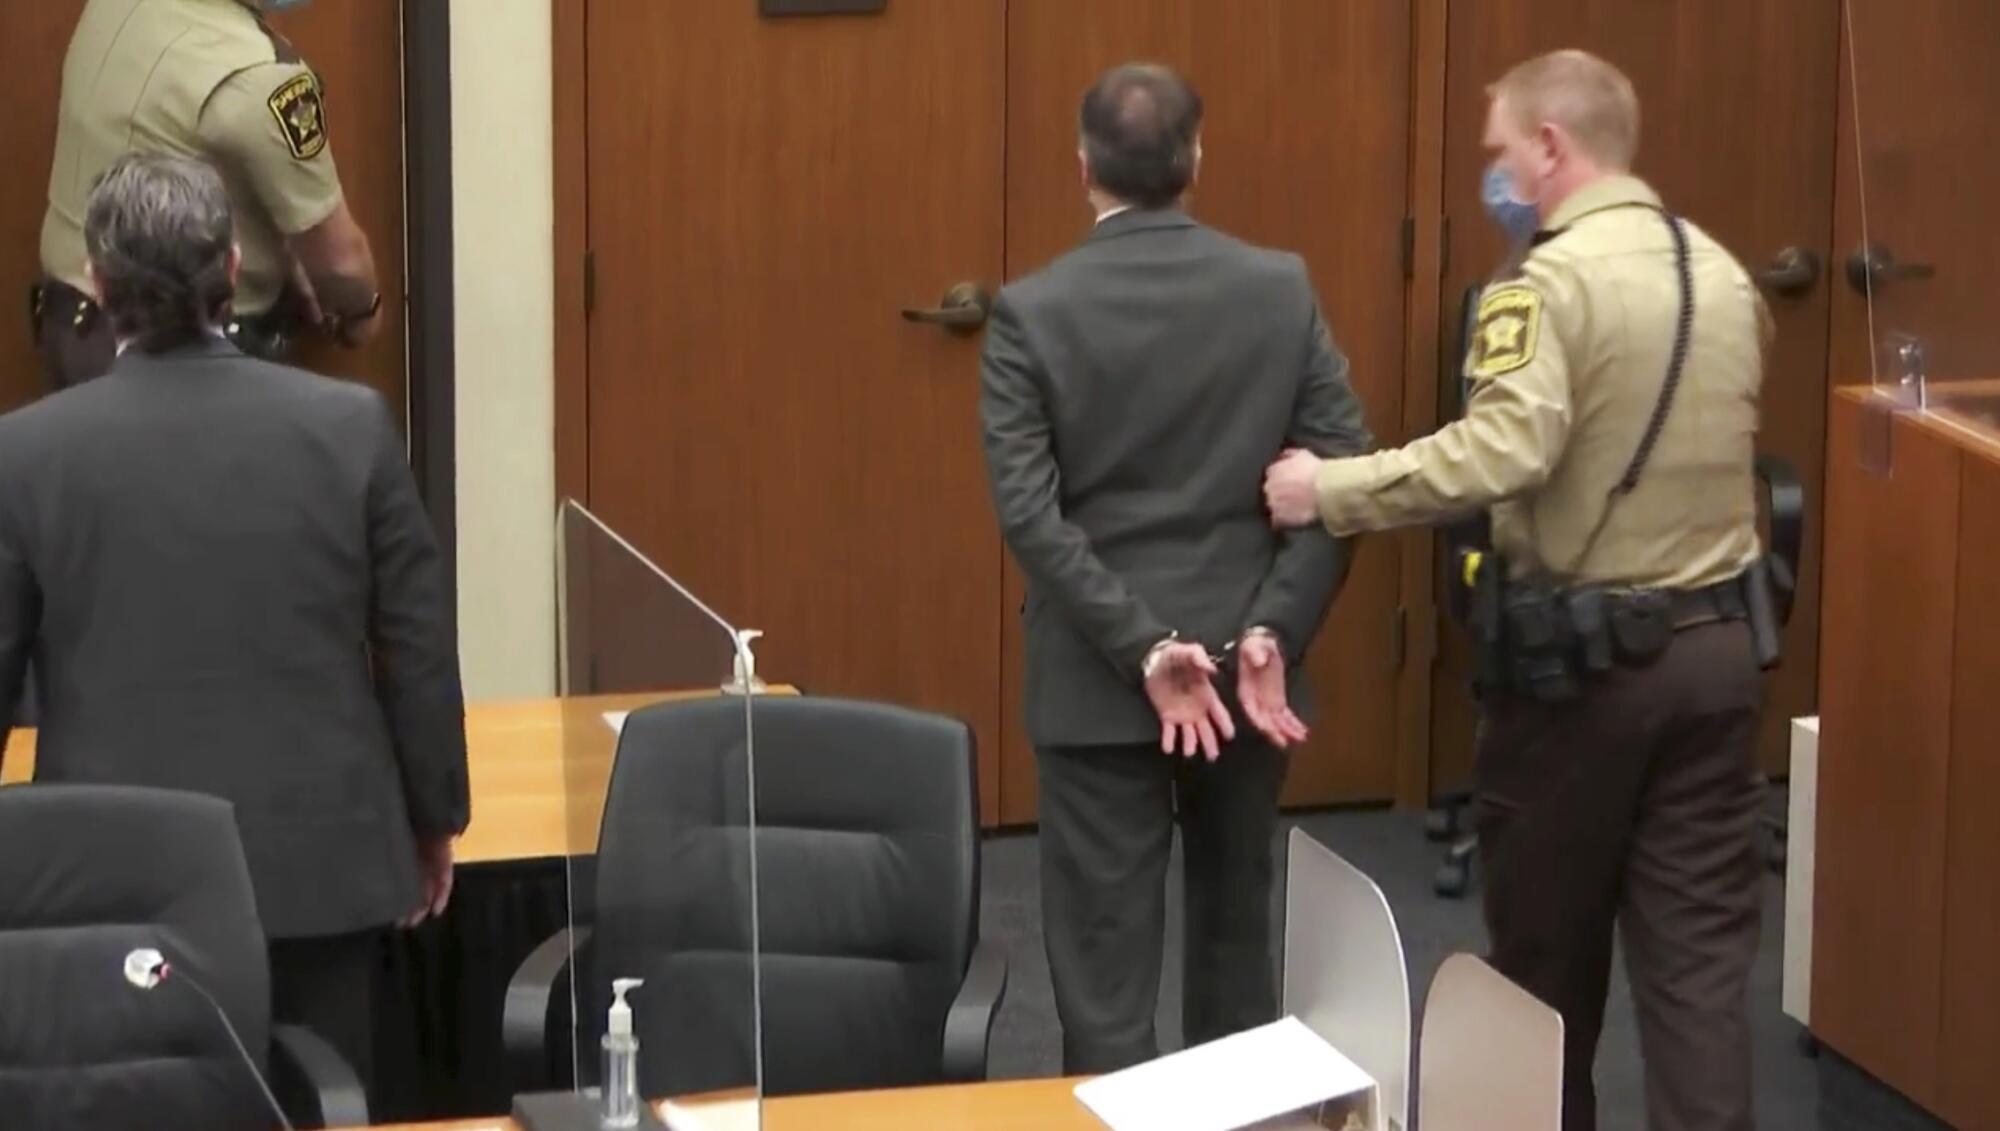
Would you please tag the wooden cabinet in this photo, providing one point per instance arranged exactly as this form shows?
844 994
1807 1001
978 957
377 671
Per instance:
1907 891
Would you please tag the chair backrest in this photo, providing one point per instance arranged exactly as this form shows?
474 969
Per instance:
1345 975
1491 1057
867 869
91 873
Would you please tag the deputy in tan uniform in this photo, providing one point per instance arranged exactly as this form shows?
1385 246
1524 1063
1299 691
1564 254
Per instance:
209 79
1616 773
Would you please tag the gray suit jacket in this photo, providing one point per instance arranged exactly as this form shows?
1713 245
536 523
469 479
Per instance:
227 584
1133 393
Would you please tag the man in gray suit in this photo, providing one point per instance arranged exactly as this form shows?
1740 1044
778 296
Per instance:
1132 392
227 584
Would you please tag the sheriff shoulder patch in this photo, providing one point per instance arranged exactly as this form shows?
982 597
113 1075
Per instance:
1510 321
301 115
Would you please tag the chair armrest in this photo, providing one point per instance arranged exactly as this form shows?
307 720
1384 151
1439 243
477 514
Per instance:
1785 507
315 1084
536 987
969 1023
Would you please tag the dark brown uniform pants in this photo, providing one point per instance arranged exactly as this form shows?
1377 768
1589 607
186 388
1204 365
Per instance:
1636 805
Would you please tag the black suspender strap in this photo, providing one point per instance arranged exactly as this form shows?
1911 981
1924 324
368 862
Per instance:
1683 330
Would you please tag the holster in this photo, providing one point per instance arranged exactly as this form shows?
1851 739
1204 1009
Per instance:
1540 642
1481 576
267 335
1766 636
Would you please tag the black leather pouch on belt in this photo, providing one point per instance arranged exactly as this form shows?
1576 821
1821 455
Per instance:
1540 643
1589 607
1642 625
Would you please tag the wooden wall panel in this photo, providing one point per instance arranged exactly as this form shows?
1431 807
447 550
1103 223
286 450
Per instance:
1969 1091
1886 698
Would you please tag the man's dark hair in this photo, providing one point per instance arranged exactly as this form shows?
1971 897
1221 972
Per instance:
159 232
1139 124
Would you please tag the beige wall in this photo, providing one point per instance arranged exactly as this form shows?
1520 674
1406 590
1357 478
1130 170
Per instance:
502 181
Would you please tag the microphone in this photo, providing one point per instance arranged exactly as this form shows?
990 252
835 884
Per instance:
146 968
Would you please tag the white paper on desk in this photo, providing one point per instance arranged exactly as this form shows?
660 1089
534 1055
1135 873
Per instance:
1227 1084
616 721
727 1115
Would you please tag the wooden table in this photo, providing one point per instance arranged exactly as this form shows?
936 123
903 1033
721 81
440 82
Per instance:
538 768
1008 1105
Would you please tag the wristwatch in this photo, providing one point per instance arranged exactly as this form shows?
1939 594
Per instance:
338 323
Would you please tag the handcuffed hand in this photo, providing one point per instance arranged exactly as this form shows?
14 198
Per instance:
1180 684
1260 687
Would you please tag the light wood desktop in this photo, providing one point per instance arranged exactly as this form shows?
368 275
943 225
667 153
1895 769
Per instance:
1006 1105
525 759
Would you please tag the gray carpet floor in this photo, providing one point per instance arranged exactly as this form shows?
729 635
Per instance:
1794 1092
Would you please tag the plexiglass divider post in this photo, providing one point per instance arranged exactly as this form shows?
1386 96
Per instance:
658 803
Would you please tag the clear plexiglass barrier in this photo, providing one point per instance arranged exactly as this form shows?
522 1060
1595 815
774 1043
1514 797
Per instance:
658 796
1921 95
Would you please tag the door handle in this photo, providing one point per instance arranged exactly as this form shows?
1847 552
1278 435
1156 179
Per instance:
1792 271
962 310
1872 264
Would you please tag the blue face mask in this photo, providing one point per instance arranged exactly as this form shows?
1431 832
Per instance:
1516 218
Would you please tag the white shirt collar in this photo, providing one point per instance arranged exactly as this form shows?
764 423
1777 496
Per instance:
1112 211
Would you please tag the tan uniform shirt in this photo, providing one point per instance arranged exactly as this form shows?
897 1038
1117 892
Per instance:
1567 366
200 78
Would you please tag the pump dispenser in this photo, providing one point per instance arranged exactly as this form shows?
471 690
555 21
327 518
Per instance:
621 1059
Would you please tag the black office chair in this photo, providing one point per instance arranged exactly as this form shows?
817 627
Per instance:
29 709
867 868
91 873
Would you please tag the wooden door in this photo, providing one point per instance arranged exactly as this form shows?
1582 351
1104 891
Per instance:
357 50
1305 147
764 197
1921 180
355 46
1737 111
37 35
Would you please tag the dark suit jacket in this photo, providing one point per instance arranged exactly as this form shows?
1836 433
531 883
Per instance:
227 584
1133 393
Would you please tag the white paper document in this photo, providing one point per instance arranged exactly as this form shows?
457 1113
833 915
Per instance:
725 1115
616 721
1228 1084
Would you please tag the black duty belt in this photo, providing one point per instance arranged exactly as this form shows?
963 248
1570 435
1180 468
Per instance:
1722 601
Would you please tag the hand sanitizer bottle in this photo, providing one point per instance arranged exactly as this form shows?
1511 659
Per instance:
621 1059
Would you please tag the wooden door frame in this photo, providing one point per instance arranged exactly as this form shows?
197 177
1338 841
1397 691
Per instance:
1425 221
429 349
1422 345
569 100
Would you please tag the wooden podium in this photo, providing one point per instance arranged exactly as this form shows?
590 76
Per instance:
1906 932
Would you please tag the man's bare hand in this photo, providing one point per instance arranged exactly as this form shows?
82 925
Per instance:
1291 489
1192 715
1260 687
434 860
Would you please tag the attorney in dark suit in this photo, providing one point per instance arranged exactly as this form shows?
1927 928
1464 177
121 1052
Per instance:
1131 391
227 584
